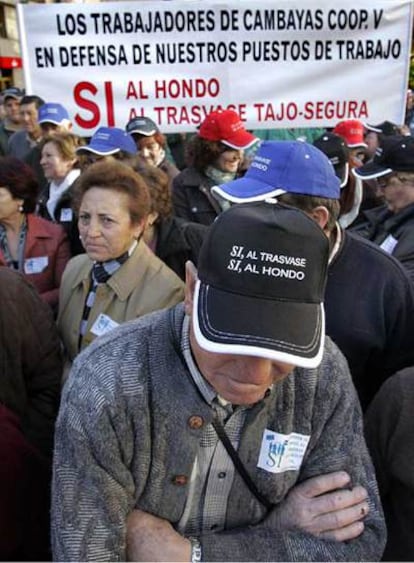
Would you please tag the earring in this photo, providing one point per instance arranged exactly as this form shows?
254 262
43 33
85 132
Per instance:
21 208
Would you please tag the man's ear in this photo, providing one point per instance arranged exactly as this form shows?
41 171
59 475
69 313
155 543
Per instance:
321 215
190 281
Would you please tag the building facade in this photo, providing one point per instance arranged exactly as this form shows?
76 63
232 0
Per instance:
11 72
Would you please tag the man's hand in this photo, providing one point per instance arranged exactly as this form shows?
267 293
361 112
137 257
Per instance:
150 538
323 507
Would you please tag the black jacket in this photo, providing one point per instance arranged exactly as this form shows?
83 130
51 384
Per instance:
369 304
380 222
33 159
192 199
389 429
178 241
67 219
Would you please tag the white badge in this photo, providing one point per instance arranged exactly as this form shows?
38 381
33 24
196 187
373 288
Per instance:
35 265
389 244
282 452
103 324
66 214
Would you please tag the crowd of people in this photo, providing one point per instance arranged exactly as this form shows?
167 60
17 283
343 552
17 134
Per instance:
207 358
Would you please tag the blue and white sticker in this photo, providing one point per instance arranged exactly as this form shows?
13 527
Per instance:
35 265
282 452
389 244
103 324
66 214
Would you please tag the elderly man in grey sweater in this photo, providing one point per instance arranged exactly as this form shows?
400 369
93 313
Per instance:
226 428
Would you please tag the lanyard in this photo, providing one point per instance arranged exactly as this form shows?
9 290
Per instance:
4 245
218 427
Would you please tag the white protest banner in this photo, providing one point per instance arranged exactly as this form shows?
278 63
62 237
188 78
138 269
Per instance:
279 64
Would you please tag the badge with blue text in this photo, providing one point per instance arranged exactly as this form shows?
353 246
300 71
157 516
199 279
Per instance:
66 214
35 265
103 324
282 452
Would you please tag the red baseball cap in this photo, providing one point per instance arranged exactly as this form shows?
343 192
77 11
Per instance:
227 127
352 131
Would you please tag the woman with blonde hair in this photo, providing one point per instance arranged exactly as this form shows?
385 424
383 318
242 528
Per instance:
60 165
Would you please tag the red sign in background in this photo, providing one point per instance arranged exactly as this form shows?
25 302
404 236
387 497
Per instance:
10 62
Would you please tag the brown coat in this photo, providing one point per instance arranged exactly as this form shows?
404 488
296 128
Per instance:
141 285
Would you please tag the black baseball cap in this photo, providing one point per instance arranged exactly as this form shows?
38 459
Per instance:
13 92
337 151
261 278
142 126
395 154
384 128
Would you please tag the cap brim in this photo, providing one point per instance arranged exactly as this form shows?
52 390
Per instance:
97 150
50 121
144 133
245 190
371 170
243 140
358 146
228 323
373 128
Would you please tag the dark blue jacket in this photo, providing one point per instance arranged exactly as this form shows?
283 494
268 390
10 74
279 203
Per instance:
380 222
369 303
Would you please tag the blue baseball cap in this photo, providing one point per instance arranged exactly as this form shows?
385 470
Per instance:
283 166
109 140
52 113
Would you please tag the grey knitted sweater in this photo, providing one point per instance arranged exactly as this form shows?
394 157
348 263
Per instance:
123 435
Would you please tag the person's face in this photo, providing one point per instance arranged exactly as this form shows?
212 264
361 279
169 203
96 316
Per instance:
149 149
55 167
229 160
241 380
105 224
12 110
89 158
52 128
397 191
9 206
29 116
371 139
358 155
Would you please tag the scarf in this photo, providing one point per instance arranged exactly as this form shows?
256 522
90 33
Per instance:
56 190
218 176
160 158
101 272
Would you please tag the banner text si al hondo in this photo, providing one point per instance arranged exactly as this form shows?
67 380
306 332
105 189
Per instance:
278 64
